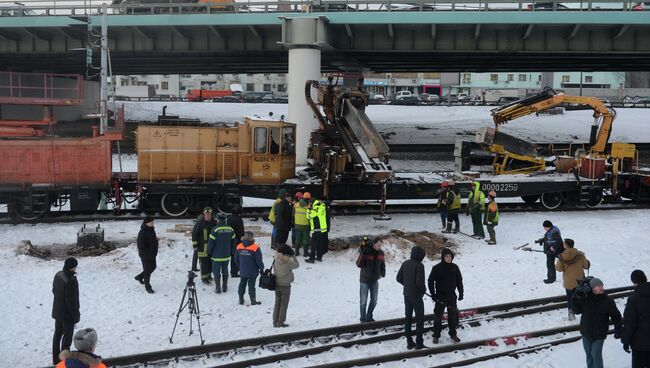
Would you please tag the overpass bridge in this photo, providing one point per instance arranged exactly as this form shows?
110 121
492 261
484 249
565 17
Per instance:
253 37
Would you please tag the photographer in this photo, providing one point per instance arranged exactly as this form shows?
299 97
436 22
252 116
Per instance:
571 263
553 246
596 309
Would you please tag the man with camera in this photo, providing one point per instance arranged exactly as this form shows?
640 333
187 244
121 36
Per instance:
553 246
596 309
571 263
636 321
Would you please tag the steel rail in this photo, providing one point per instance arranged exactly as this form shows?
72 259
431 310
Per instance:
333 332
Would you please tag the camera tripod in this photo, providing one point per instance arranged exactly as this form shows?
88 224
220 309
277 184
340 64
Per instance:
192 304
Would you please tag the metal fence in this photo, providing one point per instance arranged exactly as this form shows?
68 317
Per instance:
149 7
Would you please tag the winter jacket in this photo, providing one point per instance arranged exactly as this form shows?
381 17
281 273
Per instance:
300 220
272 211
491 214
237 224
317 216
442 198
147 242
372 264
636 319
411 274
453 201
476 200
283 215
553 239
445 278
596 312
249 258
571 262
221 241
283 268
200 235
66 297
79 359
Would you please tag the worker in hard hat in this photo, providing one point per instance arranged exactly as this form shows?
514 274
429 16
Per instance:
491 218
442 203
453 208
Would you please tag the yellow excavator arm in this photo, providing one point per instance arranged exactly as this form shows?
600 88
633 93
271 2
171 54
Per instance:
603 115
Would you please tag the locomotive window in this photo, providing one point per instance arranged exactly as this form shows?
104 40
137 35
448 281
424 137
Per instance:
260 140
274 141
288 141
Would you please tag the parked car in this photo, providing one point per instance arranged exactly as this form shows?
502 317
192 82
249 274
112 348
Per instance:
401 94
407 100
463 97
547 6
429 99
642 6
254 97
376 99
506 100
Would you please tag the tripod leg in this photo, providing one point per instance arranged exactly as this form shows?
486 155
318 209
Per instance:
180 309
198 316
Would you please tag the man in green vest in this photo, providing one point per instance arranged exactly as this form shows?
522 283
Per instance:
272 215
453 208
318 225
301 226
476 208
491 217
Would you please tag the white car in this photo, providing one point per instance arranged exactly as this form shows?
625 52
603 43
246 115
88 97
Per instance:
401 94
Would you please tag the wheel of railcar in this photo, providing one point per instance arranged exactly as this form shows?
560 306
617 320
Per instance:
174 205
531 199
228 202
16 213
595 198
551 201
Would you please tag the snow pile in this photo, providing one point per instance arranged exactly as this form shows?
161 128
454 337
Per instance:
129 320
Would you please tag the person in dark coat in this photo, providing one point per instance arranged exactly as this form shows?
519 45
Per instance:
283 219
237 224
200 236
147 250
411 276
553 246
636 321
372 265
596 310
444 279
249 259
65 307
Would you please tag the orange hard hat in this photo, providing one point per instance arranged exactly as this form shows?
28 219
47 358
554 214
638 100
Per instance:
306 195
298 195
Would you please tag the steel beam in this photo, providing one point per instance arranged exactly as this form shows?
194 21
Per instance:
38 34
254 31
390 31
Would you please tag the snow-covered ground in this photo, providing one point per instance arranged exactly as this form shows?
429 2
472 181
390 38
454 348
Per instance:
425 124
129 320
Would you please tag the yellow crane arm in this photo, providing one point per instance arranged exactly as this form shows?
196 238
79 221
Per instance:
603 116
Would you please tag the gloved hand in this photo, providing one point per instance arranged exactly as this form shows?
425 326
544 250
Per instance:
626 347
460 297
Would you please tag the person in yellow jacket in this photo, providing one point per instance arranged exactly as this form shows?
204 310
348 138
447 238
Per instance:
491 218
281 193
571 263
317 217
475 208
301 227
453 207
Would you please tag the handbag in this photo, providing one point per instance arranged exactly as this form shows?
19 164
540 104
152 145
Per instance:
267 278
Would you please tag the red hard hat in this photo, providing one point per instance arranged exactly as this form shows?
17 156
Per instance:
444 184
298 195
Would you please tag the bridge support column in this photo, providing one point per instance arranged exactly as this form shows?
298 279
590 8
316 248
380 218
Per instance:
304 37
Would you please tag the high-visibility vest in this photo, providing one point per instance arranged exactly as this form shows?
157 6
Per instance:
455 202
492 207
272 212
476 198
317 217
300 215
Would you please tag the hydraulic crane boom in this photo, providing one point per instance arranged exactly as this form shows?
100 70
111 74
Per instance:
548 98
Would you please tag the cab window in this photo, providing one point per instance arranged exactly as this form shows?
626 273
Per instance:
274 141
288 141
260 140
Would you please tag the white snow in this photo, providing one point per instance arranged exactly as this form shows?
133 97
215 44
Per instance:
437 124
129 321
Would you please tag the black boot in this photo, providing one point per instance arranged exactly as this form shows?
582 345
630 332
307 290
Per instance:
217 283
224 287
255 302
456 228
444 224
448 229
241 300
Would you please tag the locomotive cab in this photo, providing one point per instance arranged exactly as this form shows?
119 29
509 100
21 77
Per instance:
272 152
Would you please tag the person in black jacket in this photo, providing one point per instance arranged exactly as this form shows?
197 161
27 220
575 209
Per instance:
553 246
596 310
372 265
411 276
235 221
200 234
283 219
65 307
444 279
147 250
636 321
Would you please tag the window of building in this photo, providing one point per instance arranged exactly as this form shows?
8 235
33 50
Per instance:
282 87
522 77
142 83
467 78
267 88
124 82
250 87
589 79
566 78
186 75
511 77
164 85
494 77
134 81
260 140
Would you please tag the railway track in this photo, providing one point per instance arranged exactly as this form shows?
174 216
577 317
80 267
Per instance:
308 343
351 209
449 147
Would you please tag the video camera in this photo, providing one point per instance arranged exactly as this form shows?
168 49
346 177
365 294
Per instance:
540 241
583 289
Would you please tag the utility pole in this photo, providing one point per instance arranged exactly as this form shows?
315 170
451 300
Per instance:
103 103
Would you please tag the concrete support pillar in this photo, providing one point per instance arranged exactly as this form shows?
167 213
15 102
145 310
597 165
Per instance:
304 37
304 65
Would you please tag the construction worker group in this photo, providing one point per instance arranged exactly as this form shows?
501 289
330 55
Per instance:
449 206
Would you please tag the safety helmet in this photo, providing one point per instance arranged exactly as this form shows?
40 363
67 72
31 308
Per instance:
207 210
298 195
444 184
492 194
306 195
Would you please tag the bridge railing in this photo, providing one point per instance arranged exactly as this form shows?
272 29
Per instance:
11 8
